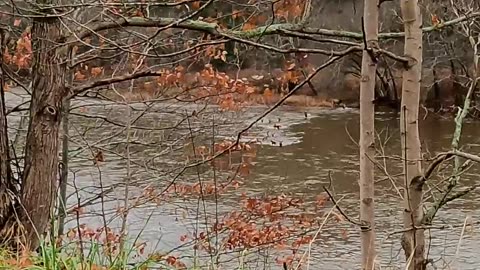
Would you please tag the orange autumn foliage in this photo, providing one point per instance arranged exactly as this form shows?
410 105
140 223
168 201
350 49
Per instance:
22 57
435 20
21 262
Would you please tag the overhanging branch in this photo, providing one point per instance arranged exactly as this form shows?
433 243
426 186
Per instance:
440 158
274 29
214 29
107 81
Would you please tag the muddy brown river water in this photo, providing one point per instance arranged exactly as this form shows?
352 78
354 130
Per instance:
312 147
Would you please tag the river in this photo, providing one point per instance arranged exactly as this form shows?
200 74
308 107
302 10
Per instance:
298 152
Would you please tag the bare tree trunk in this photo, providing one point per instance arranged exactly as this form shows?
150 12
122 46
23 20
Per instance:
7 188
413 241
62 204
41 150
367 134
62 209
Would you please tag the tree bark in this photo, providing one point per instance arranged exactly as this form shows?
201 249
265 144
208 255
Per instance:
413 241
41 151
367 134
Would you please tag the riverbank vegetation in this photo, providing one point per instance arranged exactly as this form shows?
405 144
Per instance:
116 110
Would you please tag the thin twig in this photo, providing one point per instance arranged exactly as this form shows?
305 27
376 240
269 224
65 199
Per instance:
340 209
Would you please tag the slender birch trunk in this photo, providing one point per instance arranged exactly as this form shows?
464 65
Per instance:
367 134
413 241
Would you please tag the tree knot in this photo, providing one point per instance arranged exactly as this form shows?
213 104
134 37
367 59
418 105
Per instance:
410 62
50 110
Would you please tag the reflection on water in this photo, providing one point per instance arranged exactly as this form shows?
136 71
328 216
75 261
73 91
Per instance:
298 153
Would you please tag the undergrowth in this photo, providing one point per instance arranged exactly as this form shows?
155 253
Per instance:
87 256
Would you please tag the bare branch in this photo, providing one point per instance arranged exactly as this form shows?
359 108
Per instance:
283 28
107 81
349 219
